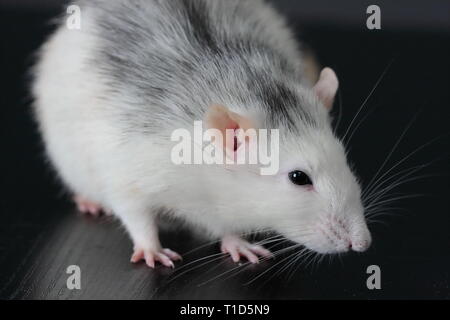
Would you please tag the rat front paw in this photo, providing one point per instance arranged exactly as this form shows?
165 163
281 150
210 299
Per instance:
164 256
238 248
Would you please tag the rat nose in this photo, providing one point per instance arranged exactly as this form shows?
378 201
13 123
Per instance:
360 237
359 245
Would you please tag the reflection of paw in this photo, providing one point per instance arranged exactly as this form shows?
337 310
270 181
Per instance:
164 256
89 207
238 248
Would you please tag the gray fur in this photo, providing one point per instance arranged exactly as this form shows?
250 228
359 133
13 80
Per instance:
168 60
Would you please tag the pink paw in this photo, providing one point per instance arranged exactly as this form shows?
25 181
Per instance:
238 247
164 256
88 207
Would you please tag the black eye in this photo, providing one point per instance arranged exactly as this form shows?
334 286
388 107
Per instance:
300 178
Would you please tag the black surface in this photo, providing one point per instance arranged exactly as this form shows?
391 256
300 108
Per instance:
40 233
430 15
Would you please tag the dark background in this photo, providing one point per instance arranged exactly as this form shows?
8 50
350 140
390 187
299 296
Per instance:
41 234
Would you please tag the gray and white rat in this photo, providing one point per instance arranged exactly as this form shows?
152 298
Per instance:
109 95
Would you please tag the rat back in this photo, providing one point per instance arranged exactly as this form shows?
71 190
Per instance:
167 61
136 70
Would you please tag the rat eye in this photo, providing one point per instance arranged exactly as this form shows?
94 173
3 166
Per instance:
300 178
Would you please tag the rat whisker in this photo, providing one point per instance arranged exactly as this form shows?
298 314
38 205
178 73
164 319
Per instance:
359 123
209 243
406 158
248 263
292 265
315 261
383 208
311 258
267 270
385 213
216 256
284 267
368 97
393 186
410 123
376 204
296 265
403 174
241 267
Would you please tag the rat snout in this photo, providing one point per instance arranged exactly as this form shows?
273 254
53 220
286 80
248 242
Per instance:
361 238
335 235
360 246
341 235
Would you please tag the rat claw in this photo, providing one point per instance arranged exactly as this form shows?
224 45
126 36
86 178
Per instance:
165 260
95 211
137 256
81 207
164 256
238 247
172 254
232 251
87 207
249 255
235 255
262 251
149 259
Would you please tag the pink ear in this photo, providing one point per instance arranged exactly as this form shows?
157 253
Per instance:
221 118
326 87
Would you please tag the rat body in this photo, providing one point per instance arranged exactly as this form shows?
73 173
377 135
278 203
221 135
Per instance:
109 95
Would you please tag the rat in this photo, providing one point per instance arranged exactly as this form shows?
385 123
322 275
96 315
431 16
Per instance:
107 97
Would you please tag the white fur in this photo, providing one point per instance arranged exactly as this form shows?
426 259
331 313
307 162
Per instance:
133 175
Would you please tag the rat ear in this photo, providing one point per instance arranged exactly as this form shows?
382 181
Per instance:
326 87
221 118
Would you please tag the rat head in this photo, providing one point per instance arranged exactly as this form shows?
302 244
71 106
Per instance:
314 198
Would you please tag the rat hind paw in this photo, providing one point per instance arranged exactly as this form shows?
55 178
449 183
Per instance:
238 248
165 256
89 207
